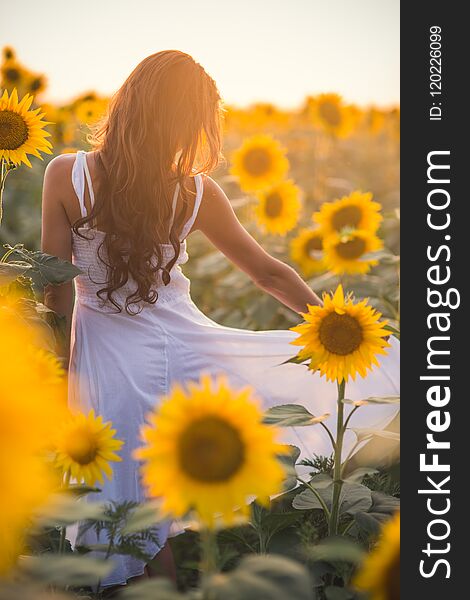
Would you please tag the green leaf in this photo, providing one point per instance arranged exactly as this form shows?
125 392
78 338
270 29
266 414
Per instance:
45 269
9 273
321 481
364 434
358 474
79 490
289 461
333 592
142 517
291 415
367 523
259 577
374 400
382 508
151 590
307 500
64 510
65 570
297 360
354 497
337 549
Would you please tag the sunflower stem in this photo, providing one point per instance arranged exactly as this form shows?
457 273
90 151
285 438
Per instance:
209 557
63 529
3 176
337 481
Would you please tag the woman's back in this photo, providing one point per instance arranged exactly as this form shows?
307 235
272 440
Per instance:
89 251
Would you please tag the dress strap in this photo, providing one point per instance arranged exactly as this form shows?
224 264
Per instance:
80 174
197 203
88 179
78 181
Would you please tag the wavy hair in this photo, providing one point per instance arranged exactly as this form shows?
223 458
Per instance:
168 107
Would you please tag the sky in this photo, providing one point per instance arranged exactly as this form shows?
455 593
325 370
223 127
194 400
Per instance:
257 50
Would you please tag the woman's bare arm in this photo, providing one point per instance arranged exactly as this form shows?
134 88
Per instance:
217 220
56 236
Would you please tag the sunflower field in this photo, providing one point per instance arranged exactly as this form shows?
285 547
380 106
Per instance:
318 187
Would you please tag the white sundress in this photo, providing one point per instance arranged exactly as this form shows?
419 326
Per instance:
122 365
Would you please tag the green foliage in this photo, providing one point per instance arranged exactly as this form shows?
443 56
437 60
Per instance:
120 539
43 269
292 415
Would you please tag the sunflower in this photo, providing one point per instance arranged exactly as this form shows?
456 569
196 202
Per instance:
307 251
21 130
8 53
278 209
85 446
47 367
340 338
36 84
380 573
90 111
29 414
259 163
211 441
329 113
13 74
356 211
344 253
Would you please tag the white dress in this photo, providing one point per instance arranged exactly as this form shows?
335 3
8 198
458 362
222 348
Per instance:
122 365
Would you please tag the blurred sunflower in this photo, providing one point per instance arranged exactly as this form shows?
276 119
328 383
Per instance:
36 84
47 367
212 441
29 414
379 576
12 74
21 130
328 112
341 339
85 446
278 208
8 53
89 111
259 163
307 251
374 120
345 253
356 211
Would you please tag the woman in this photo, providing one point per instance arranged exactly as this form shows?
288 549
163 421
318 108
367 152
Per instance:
122 213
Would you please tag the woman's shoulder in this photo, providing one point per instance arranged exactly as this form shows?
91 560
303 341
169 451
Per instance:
211 189
60 165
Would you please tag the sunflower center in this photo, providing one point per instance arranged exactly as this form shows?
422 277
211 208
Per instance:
330 113
12 74
348 216
340 334
273 205
81 447
211 450
257 161
314 246
13 130
351 249
36 84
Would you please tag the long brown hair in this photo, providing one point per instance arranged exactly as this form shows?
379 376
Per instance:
167 106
